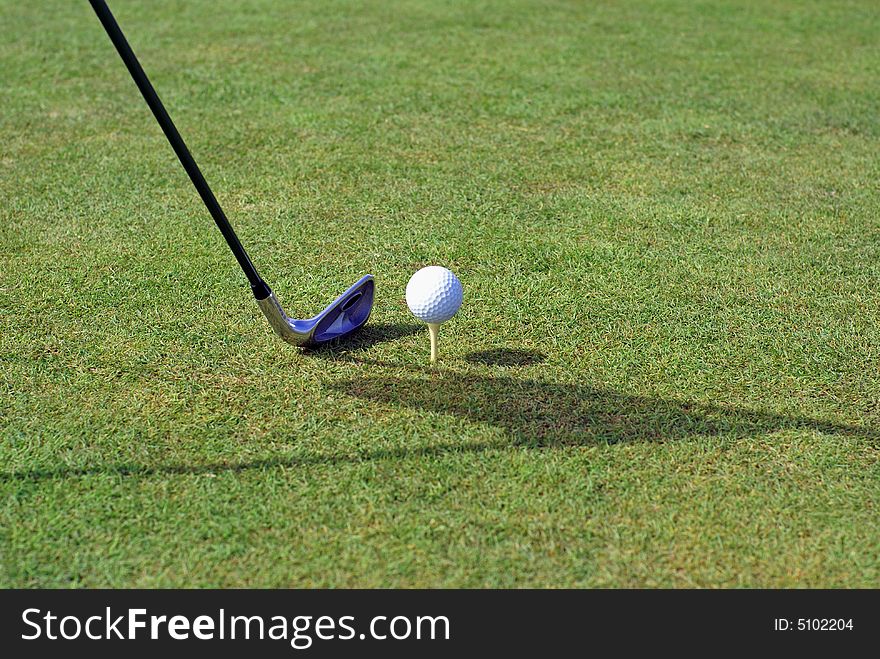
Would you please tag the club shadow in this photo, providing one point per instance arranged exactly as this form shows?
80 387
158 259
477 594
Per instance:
366 337
286 462
532 413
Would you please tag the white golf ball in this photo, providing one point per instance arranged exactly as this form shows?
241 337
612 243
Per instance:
434 294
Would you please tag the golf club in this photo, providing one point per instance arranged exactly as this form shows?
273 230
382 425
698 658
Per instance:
346 314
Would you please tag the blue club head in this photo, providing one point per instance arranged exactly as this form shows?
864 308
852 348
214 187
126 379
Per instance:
346 314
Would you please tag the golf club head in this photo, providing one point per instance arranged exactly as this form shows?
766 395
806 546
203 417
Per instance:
347 313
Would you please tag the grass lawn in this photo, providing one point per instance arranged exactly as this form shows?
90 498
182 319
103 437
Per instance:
665 218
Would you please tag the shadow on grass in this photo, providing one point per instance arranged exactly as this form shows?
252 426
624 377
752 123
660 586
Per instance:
533 413
365 338
285 462
537 413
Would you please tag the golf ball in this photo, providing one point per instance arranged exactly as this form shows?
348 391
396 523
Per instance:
434 294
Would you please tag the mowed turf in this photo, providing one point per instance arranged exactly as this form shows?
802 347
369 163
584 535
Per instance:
665 372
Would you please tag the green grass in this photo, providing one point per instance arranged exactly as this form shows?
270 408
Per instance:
665 373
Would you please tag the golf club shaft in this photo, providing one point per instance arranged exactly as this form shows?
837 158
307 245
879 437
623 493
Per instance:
259 287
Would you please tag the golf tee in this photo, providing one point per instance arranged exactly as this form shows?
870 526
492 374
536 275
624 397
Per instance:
433 329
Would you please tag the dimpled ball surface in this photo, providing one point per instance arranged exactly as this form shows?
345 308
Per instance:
434 294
